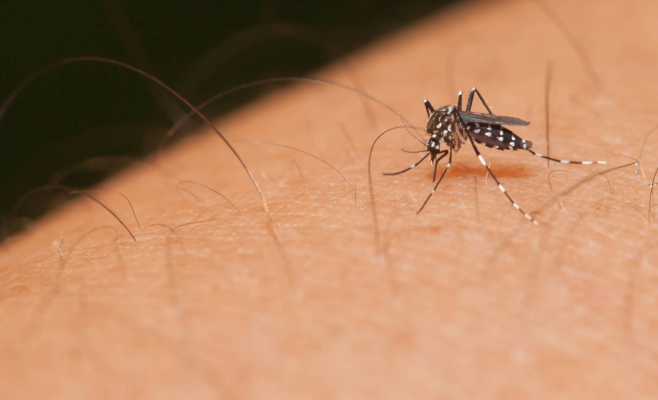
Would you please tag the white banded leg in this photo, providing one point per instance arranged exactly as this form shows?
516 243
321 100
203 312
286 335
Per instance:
567 161
410 168
428 107
440 179
470 101
502 189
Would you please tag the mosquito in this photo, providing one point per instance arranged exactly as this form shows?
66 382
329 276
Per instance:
455 127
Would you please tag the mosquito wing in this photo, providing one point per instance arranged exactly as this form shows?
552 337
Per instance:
492 119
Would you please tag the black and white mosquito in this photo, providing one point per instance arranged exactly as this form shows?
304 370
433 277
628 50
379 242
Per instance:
454 127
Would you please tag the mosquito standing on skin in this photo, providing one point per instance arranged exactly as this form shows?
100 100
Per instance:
454 127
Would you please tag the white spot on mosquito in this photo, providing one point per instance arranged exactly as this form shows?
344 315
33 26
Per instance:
482 160
539 155
512 144
488 128
460 93
502 189
449 128
473 90
500 138
528 216
534 221
487 134
587 162
565 161
516 206
476 131
477 124
513 137
433 136
601 162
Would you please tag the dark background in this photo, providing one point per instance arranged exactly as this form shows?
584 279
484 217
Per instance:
199 47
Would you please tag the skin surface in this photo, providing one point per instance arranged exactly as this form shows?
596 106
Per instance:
466 300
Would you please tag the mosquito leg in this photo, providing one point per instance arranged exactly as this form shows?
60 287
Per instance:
410 168
502 189
440 179
566 161
436 163
428 107
470 101
459 101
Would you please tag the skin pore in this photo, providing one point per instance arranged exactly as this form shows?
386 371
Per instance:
307 300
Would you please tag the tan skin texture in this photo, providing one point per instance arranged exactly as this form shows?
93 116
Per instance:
465 300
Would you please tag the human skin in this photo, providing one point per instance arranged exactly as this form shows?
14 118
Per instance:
465 300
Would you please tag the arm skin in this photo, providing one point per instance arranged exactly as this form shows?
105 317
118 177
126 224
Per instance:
466 300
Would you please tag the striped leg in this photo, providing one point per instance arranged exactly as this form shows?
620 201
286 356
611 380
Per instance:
428 107
502 189
440 179
410 168
566 161
470 101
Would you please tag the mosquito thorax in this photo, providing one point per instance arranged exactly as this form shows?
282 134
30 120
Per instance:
442 126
